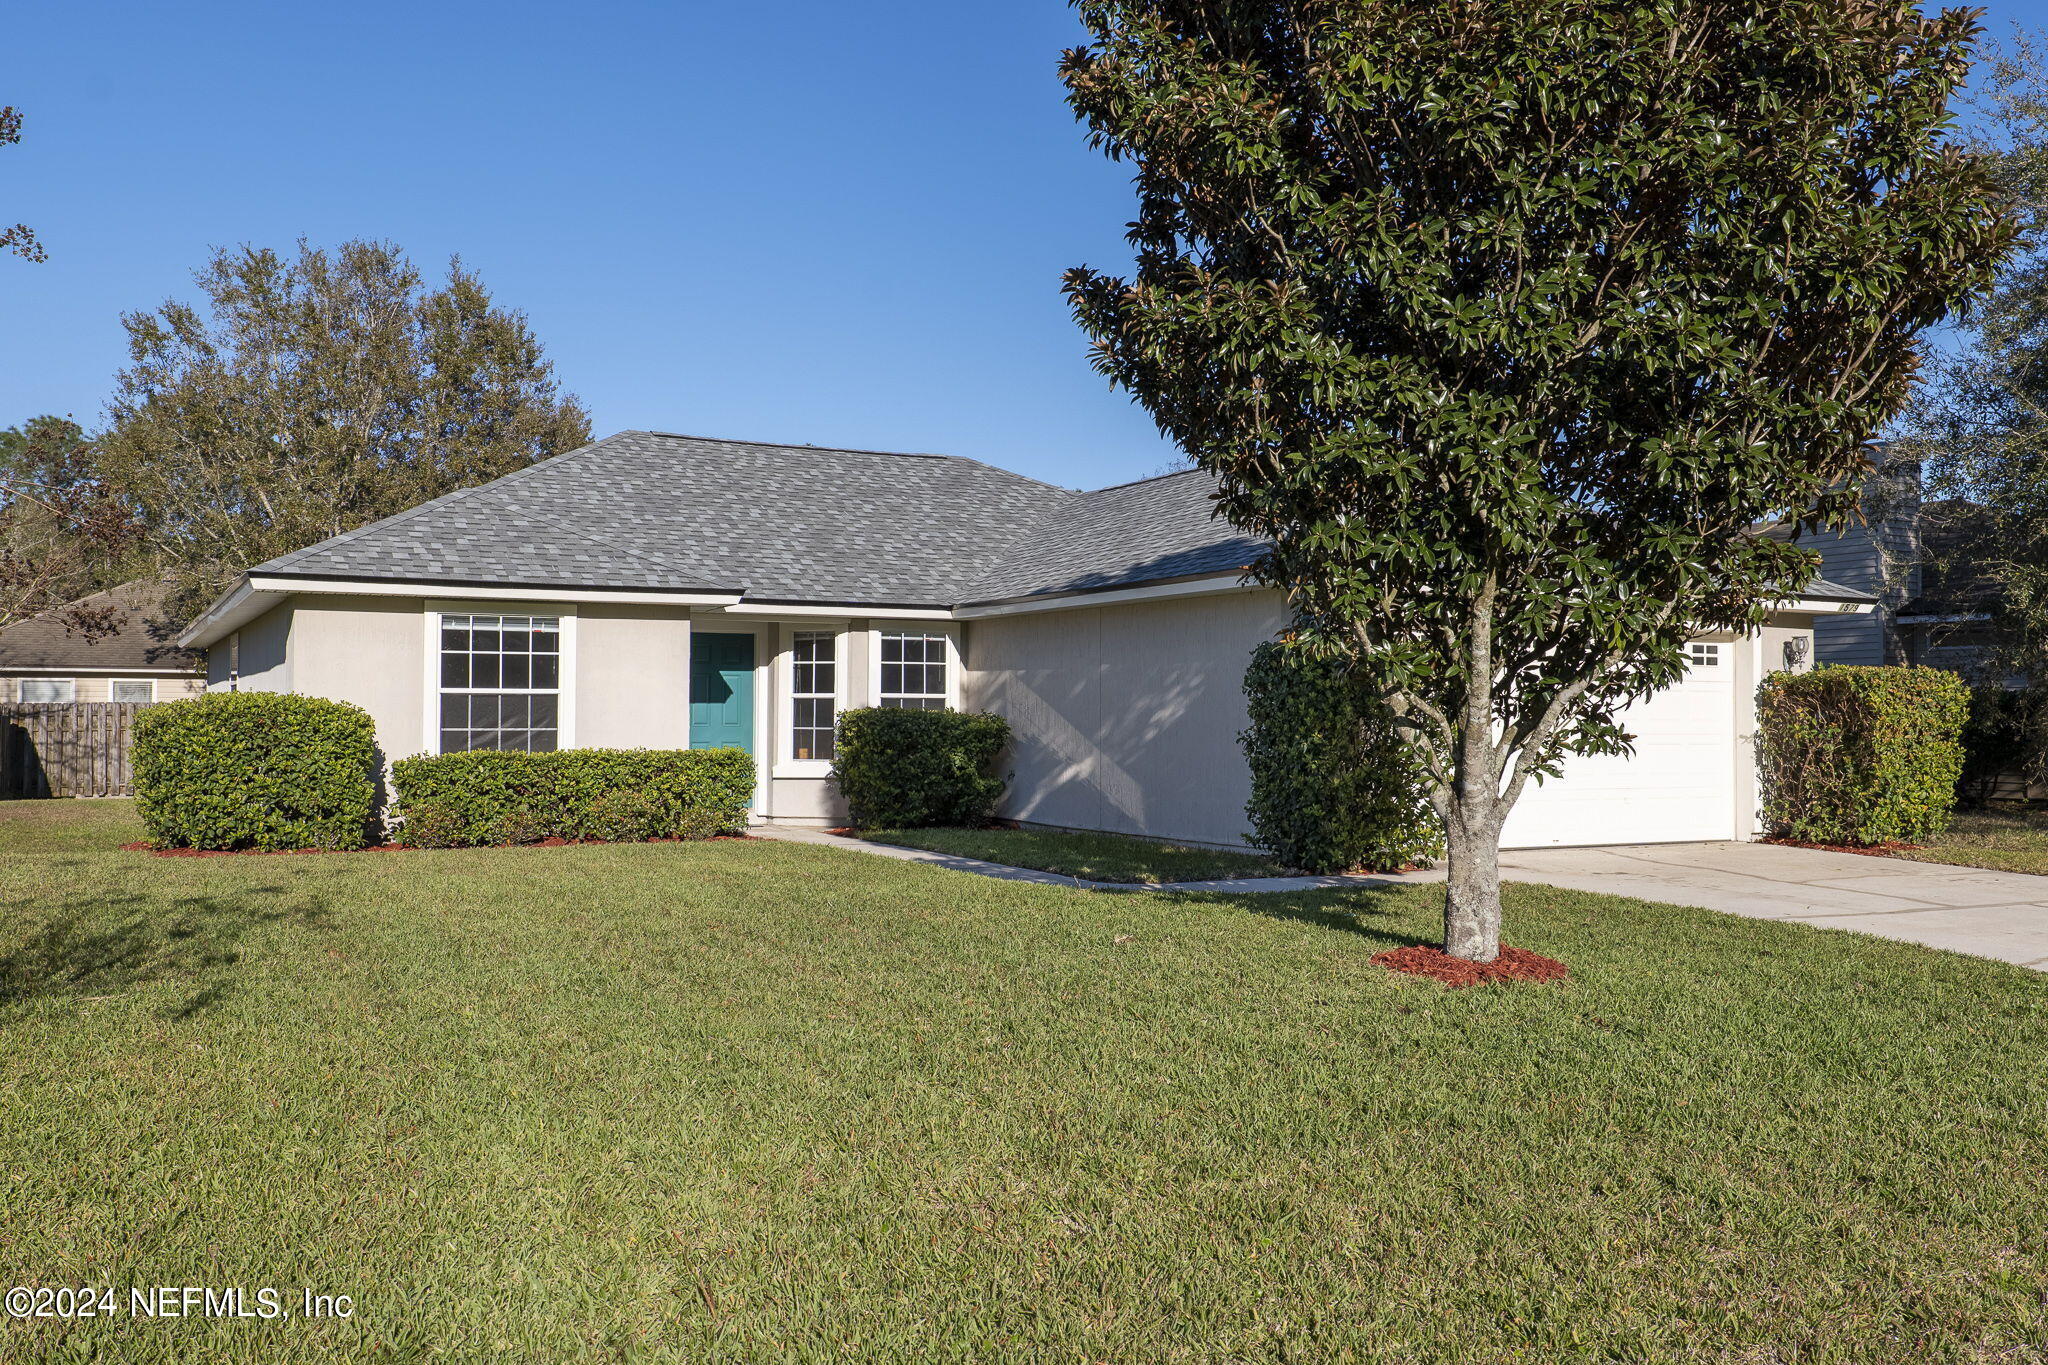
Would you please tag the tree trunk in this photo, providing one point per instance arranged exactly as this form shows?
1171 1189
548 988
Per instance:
1472 891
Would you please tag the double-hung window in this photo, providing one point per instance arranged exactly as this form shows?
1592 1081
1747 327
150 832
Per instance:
913 671
501 682
813 693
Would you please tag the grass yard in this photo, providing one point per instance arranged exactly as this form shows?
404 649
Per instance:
2010 836
748 1101
1091 857
67 826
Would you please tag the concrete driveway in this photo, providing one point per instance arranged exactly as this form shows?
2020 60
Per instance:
2001 915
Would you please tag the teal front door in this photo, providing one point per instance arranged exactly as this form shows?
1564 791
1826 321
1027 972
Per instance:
721 691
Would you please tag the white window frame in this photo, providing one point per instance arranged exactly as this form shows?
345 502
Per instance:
787 764
149 683
565 695
1705 654
951 634
70 683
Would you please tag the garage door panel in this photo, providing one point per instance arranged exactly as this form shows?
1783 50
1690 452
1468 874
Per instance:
1679 785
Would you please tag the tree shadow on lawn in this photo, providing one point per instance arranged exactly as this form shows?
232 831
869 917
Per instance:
1376 913
106 944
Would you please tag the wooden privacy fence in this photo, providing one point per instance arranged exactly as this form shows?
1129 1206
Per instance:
67 748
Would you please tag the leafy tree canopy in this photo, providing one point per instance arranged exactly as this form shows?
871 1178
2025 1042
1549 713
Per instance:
63 533
20 238
313 394
1507 321
1979 431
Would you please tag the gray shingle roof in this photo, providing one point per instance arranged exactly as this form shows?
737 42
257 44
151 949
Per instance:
1144 532
650 510
781 523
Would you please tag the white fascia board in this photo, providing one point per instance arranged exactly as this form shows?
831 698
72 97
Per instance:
771 611
232 609
1155 592
1960 618
350 587
1821 606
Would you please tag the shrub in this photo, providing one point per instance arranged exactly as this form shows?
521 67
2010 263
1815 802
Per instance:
262 770
2006 737
1851 755
624 817
431 826
1333 786
482 798
522 825
903 769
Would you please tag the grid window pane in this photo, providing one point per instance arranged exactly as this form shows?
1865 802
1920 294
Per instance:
813 683
500 681
913 672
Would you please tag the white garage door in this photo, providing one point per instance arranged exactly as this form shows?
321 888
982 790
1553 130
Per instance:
1679 786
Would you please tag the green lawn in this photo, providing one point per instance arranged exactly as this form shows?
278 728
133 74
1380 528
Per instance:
749 1101
1091 857
2011 837
67 826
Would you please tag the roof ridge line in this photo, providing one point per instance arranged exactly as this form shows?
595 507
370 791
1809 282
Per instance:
850 450
1149 478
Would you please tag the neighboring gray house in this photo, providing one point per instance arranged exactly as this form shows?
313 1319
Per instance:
1929 608
667 591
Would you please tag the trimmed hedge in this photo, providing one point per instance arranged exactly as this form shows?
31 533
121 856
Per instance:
903 769
1852 755
481 798
262 770
1333 786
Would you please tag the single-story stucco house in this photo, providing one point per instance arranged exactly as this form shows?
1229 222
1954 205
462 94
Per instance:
654 590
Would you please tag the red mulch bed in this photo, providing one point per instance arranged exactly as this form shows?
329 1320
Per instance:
1513 964
1890 850
382 848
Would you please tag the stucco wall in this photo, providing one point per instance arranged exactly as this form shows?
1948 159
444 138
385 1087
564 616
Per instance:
260 652
1126 717
632 677
1775 642
366 650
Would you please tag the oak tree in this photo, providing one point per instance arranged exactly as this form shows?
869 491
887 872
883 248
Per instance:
316 393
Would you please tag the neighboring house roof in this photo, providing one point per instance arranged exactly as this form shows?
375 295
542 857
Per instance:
47 641
797 524
1826 590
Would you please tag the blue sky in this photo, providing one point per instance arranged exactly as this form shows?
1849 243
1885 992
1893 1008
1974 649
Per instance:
815 221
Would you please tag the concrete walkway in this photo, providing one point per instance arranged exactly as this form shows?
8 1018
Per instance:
2001 915
797 834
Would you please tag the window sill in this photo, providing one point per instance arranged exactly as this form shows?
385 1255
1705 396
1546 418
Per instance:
802 767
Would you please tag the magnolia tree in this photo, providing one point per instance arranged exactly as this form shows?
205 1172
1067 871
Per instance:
1505 322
